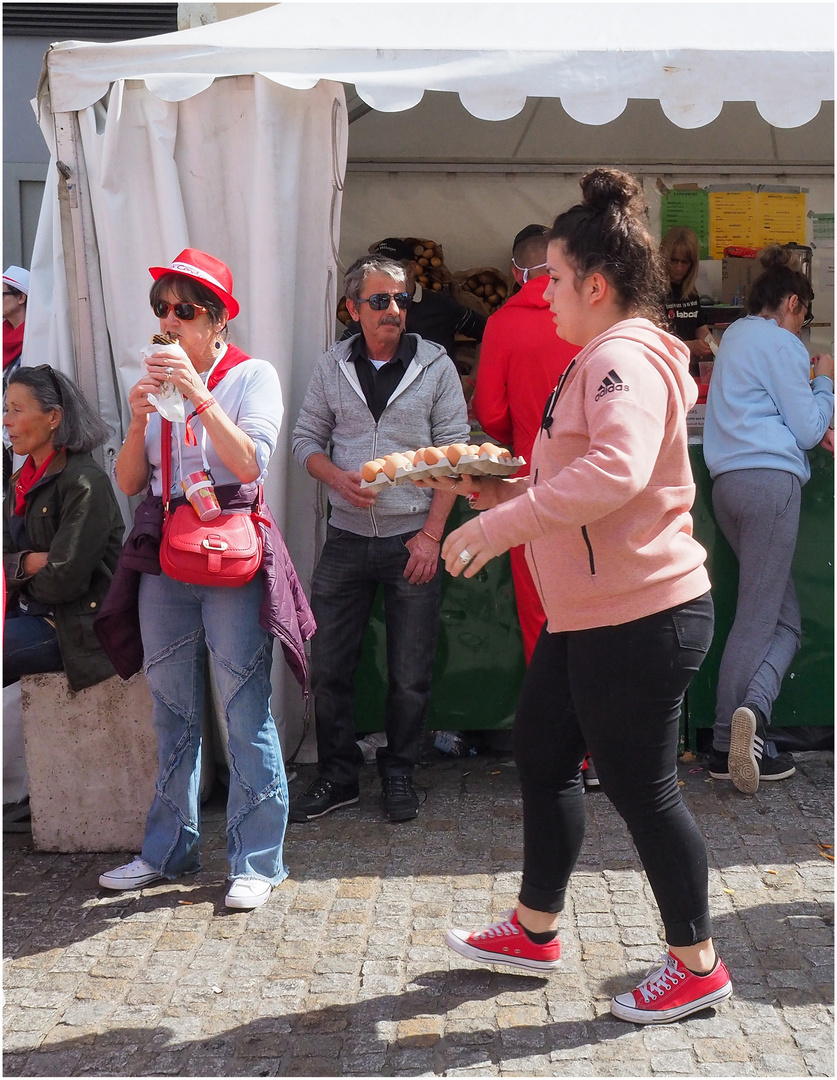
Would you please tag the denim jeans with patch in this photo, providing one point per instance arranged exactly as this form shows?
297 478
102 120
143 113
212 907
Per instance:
347 577
180 625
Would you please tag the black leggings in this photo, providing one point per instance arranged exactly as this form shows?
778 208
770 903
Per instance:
615 691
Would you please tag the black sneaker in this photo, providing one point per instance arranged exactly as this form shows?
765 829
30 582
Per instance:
778 768
399 798
321 798
589 775
719 764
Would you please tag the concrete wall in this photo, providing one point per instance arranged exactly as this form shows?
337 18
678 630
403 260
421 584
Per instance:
92 761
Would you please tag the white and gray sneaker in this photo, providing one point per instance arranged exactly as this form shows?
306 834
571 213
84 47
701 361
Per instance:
132 875
749 761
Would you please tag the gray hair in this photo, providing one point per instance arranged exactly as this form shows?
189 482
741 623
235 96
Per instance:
80 429
361 268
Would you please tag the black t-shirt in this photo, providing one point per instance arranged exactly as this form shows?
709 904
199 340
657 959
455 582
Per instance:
438 317
684 314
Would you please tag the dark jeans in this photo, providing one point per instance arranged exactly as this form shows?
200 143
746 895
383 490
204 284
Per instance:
345 582
615 691
30 647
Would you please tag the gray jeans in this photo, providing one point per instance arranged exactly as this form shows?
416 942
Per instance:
757 510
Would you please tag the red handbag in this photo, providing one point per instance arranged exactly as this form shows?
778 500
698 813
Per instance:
226 551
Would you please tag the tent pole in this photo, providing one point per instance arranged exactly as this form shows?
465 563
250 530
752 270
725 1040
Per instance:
70 168
91 344
92 355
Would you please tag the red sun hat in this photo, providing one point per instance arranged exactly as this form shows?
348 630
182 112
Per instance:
206 269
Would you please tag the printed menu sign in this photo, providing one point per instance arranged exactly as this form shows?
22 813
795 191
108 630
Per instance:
689 209
732 220
781 218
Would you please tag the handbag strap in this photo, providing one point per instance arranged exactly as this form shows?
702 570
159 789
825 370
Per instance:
165 455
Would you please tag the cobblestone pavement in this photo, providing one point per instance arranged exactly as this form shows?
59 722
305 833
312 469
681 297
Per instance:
345 971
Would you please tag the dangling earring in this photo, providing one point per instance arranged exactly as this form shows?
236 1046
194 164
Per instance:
217 344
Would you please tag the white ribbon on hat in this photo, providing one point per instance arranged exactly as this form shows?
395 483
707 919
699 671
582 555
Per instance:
194 271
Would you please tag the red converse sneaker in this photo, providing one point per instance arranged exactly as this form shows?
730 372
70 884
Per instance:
505 942
671 992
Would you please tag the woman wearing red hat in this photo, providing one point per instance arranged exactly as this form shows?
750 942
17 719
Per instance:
234 407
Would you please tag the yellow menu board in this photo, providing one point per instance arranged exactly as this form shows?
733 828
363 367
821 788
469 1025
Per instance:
732 220
781 218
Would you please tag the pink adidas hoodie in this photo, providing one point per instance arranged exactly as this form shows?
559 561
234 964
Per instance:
605 512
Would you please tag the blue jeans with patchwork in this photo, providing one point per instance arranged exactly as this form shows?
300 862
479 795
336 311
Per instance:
347 577
180 625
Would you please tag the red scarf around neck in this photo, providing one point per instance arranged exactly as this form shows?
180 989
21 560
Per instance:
12 342
29 476
231 358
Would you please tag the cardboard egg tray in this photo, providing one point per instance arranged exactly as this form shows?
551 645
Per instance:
467 465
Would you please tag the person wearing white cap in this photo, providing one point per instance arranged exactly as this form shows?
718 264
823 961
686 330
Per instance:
15 295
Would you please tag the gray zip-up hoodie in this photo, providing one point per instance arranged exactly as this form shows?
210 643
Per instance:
427 408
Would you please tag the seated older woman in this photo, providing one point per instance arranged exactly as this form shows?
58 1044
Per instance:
62 531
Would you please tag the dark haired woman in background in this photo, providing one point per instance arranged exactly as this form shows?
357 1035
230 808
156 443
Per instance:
62 531
763 413
608 533
686 318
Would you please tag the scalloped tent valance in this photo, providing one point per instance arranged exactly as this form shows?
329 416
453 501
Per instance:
692 57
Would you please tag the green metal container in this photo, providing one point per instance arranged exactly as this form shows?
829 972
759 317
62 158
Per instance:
807 697
479 659
480 663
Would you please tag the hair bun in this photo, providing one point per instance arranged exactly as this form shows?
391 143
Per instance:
608 189
775 256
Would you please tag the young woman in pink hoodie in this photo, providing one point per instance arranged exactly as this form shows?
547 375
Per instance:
605 517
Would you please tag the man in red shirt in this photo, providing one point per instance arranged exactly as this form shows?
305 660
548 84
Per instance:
521 361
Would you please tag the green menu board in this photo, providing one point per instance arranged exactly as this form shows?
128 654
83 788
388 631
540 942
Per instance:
689 208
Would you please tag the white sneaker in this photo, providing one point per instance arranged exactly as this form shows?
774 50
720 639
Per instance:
132 875
247 892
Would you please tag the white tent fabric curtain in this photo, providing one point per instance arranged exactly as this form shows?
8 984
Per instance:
249 171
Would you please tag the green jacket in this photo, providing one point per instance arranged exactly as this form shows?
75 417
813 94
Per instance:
72 514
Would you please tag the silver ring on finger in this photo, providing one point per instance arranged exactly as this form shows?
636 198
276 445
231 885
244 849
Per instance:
465 556
169 370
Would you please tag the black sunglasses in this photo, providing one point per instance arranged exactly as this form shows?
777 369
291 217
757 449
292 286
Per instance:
56 385
809 316
380 301
183 311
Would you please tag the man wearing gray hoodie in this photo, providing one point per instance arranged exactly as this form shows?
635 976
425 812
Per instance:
379 392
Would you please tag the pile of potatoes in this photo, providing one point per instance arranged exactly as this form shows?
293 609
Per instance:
430 455
486 283
432 272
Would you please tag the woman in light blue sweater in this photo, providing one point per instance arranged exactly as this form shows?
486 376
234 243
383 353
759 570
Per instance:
763 414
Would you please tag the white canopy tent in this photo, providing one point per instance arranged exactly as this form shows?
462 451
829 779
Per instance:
593 56
232 137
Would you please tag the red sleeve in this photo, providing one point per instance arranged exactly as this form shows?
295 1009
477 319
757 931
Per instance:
491 399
